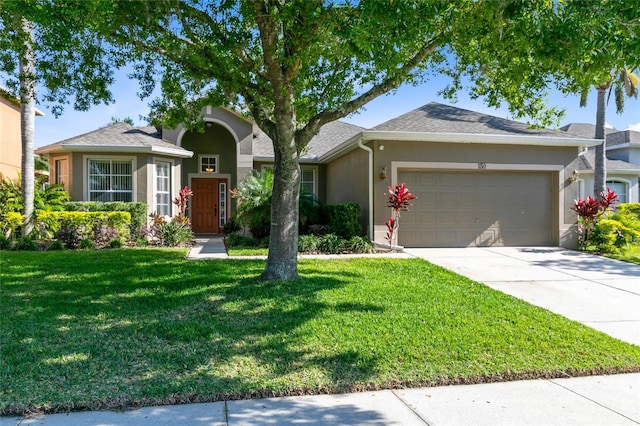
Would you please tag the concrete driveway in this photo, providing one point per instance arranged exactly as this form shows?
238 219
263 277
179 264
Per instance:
593 290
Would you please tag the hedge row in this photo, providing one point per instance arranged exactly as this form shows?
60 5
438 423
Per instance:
138 211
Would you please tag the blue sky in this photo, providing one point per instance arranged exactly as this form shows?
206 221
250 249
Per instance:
72 123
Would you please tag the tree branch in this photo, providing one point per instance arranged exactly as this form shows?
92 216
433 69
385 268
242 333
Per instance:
390 83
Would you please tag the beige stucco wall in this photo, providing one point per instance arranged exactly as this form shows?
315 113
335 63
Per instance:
347 181
347 176
10 143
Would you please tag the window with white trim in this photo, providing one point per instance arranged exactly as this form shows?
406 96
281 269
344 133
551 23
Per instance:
110 180
62 172
222 190
163 188
208 163
620 188
308 180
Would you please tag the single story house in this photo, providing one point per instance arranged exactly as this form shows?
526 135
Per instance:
623 161
479 180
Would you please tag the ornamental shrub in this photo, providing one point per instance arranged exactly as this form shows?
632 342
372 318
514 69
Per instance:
331 244
73 226
137 211
611 233
25 244
174 233
237 240
590 211
10 223
344 219
308 243
360 245
399 200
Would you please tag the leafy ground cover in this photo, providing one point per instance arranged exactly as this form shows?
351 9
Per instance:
630 253
125 328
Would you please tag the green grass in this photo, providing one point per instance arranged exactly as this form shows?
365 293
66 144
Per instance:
629 254
118 328
247 251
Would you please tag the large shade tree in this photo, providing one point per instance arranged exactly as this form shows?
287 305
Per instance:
294 66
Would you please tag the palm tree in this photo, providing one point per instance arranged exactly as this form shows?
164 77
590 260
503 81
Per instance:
27 124
622 82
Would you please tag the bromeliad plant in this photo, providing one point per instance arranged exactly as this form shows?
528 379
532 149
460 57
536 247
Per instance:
399 201
589 211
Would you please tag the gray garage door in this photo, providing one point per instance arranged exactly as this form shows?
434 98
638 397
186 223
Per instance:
461 209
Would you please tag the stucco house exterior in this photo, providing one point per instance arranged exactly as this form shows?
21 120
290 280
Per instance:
10 135
479 180
623 162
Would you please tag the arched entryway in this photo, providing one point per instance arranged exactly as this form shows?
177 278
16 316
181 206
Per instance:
210 173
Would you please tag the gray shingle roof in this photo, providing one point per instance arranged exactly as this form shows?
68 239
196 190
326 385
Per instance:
587 160
438 118
120 135
614 137
330 135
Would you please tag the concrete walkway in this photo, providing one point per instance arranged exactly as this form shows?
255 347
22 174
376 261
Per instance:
597 400
594 290
208 247
599 292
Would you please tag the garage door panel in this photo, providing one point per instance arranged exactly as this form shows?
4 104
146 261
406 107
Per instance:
459 209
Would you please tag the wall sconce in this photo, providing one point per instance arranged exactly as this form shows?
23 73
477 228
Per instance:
381 147
383 173
573 177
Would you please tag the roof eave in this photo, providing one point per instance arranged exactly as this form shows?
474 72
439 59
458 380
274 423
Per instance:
116 150
369 135
479 138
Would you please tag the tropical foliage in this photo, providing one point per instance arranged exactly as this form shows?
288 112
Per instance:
604 228
399 199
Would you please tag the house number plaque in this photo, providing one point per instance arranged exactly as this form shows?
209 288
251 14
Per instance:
482 166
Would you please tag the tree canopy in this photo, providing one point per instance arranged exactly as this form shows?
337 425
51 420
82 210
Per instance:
293 66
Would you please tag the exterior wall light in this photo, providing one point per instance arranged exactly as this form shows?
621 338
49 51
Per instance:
573 177
383 173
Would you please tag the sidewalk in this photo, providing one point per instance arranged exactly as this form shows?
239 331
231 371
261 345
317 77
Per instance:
595 400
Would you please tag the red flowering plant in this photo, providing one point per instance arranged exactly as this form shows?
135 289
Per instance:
181 201
590 211
399 200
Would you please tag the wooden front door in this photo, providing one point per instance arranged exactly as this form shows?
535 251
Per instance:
205 205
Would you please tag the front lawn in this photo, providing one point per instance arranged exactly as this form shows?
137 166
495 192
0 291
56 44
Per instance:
122 328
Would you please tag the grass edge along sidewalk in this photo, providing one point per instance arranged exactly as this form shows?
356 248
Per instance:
127 328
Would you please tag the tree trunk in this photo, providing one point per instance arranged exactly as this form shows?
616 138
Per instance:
600 166
282 261
27 126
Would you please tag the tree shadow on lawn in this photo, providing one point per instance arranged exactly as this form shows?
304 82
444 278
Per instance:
150 328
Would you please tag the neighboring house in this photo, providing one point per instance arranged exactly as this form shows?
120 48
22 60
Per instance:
479 180
10 135
623 162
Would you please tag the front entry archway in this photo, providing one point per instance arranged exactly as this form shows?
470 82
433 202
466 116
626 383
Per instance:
209 205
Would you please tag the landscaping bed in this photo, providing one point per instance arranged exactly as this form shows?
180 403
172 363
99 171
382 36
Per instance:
125 328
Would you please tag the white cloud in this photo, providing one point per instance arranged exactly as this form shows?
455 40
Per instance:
608 125
635 127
